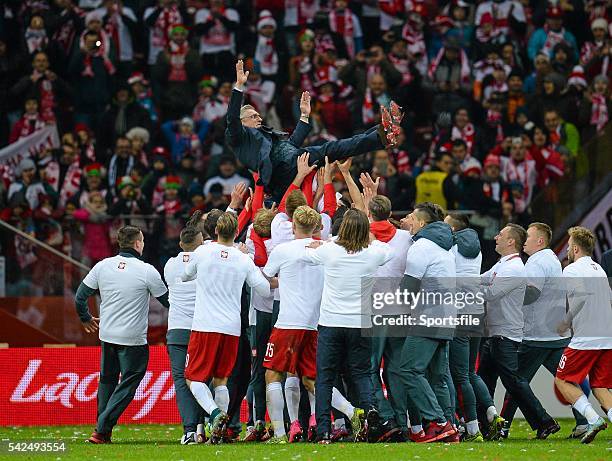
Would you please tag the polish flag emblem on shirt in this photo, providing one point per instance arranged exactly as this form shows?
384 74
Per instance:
185 258
224 254
121 265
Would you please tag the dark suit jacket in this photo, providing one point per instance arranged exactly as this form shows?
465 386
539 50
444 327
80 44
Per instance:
252 146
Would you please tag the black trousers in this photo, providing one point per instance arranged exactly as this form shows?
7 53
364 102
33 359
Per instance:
531 358
500 358
113 396
335 345
284 157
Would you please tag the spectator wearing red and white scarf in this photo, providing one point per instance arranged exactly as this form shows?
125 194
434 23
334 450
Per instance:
266 52
500 11
346 24
36 36
450 70
549 163
160 20
464 129
104 48
176 73
595 55
258 92
120 24
216 26
521 168
553 33
48 88
29 122
596 111
412 32
209 106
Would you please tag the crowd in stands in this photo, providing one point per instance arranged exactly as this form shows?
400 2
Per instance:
499 97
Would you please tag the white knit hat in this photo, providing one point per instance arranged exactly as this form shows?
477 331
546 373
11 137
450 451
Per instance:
265 19
599 23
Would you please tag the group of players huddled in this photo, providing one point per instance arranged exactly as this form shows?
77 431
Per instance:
317 367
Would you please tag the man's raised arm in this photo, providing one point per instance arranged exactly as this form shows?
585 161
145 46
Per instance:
303 128
235 130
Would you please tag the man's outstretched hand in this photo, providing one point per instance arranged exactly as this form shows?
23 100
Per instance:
242 76
305 105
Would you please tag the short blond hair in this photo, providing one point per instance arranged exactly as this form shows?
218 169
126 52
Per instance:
583 238
307 219
544 229
227 225
262 224
295 200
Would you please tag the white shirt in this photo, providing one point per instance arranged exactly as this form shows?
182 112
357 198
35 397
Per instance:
542 317
221 272
348 282
260 303
125 284
300 285
400 243
282 228
182 294
587 282
227 183
504 292
500 12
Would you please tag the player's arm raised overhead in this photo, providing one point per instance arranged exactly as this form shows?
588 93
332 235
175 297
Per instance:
235 131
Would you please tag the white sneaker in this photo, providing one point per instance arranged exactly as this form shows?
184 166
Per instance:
189 439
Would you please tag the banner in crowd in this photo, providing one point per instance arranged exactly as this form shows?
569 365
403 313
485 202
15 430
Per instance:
53 386
29 146
599 220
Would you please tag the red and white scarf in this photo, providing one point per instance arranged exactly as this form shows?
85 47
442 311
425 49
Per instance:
494 120
102 52
402 65
486 36
36 39
341 22
305 69
467 133
65 34
463 61
178 56
599 111
72 183
520 173
161 31
368 115
31 123
266 54
302 10
47 99
588 52
414 39
552 39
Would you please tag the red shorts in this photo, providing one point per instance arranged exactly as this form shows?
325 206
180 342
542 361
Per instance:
575 365
210 355
292 351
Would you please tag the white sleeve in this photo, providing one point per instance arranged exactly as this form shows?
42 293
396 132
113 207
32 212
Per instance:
256 280
357 32
281 229
91 279
383 251
316 256
167 274
416 262
274 262
232 15
327 226
535 275
155 284
518 12
192 268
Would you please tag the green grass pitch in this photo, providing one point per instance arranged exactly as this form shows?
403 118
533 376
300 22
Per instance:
152 443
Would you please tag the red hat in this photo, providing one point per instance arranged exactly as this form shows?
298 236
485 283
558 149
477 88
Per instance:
473 169
93 169
137 77
81 127
486 18
492 159
420 9
172 182
162 151
577 77
554 12
325 74
443 21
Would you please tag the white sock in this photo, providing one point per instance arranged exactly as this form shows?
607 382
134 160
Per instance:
339 423
311 399
416 428
472 427
202 394
292 396
610 414
276 405
340 403
491 413
583 407
222 398
200 429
